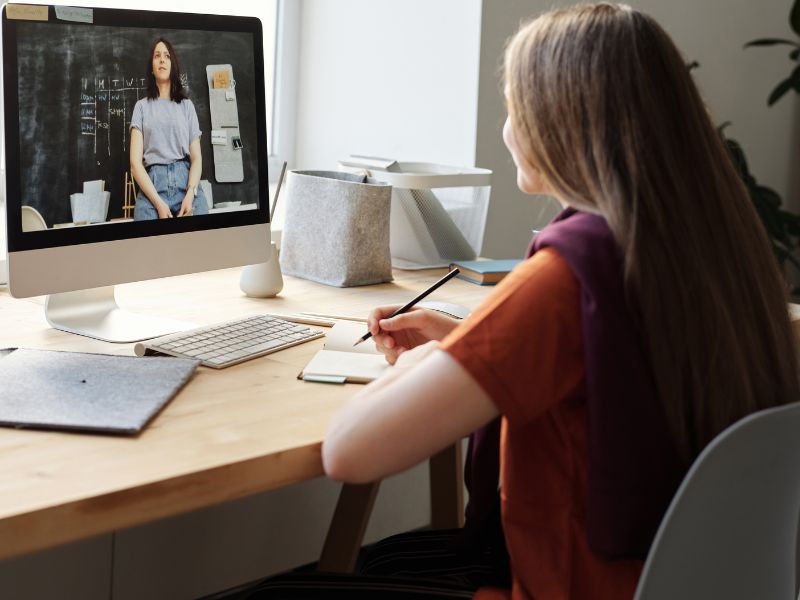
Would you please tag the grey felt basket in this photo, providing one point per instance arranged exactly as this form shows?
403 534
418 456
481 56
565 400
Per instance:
337 228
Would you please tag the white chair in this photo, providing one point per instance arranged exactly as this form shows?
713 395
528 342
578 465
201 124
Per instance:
32 219
731 530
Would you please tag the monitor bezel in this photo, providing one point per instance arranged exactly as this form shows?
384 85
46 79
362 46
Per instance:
117 17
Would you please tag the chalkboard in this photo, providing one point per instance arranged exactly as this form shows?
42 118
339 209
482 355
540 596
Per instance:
78 85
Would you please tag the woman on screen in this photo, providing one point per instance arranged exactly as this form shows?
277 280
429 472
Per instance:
649 316
165 154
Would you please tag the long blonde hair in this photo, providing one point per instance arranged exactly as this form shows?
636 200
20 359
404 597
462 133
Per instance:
602 104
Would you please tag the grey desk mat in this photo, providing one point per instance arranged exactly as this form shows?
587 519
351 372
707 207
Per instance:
47 389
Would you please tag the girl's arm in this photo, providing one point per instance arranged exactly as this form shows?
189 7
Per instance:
195 171
426 402
142 178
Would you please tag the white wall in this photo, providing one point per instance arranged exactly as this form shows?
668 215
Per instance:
734 82
388 78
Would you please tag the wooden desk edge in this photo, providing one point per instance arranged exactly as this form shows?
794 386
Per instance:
82 519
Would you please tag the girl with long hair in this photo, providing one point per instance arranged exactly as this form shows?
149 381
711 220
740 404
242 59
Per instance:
648 317
165 156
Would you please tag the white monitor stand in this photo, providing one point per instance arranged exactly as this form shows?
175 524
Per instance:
83 300
96 314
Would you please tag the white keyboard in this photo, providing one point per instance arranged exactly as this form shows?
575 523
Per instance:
225 344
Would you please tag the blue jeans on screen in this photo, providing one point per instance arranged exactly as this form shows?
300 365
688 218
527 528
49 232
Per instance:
170 182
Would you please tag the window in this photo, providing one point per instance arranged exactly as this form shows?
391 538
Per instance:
283 83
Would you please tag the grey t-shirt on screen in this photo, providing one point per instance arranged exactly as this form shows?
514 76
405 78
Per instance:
167 128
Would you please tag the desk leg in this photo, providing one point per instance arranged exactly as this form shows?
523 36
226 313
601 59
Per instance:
447 488
343 542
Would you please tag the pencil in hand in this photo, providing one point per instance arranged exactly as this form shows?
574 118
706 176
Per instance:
413 302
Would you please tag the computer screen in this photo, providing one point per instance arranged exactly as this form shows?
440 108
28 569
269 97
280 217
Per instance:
135 145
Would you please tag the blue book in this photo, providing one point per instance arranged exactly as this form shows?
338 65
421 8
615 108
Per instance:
485 272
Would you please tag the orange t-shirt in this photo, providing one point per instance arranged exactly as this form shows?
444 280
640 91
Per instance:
524 345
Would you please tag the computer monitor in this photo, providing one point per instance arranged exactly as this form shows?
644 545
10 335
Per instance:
86 89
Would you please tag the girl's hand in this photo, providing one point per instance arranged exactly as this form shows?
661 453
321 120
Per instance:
163 210
186 206
409 330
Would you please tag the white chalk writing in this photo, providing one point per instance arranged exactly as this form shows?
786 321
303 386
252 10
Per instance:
106 104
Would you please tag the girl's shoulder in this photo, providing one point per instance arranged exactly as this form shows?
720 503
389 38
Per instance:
140 107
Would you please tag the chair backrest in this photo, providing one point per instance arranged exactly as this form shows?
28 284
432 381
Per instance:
32 219
731 530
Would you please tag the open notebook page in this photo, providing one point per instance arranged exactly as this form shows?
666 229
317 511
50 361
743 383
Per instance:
344 334
341 362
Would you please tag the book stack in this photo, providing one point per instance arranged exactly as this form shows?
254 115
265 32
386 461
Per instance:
484 272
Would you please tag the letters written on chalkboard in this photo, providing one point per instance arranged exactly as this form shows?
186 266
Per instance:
78 84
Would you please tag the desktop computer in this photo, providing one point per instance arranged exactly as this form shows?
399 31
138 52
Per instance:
139 138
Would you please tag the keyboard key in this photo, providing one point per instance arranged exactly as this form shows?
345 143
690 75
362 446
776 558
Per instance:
266 346
194 352
225 358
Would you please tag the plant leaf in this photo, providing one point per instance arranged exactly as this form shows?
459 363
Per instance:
792 224
781 226
771 42
770 196
771 221
794 17
780 89
794 262
737 155
780 253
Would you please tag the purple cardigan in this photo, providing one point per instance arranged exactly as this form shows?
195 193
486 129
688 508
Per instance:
634 466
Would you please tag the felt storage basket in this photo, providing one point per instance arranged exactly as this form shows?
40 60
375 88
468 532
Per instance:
337 228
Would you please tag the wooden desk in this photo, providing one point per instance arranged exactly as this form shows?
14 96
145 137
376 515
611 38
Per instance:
246 429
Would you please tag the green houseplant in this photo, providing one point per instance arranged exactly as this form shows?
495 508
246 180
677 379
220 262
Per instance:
782 226
792 82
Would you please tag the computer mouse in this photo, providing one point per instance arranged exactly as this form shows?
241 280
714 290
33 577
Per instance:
448 308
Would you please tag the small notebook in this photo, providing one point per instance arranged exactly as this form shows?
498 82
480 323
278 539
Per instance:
340 362
484 272
46 389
